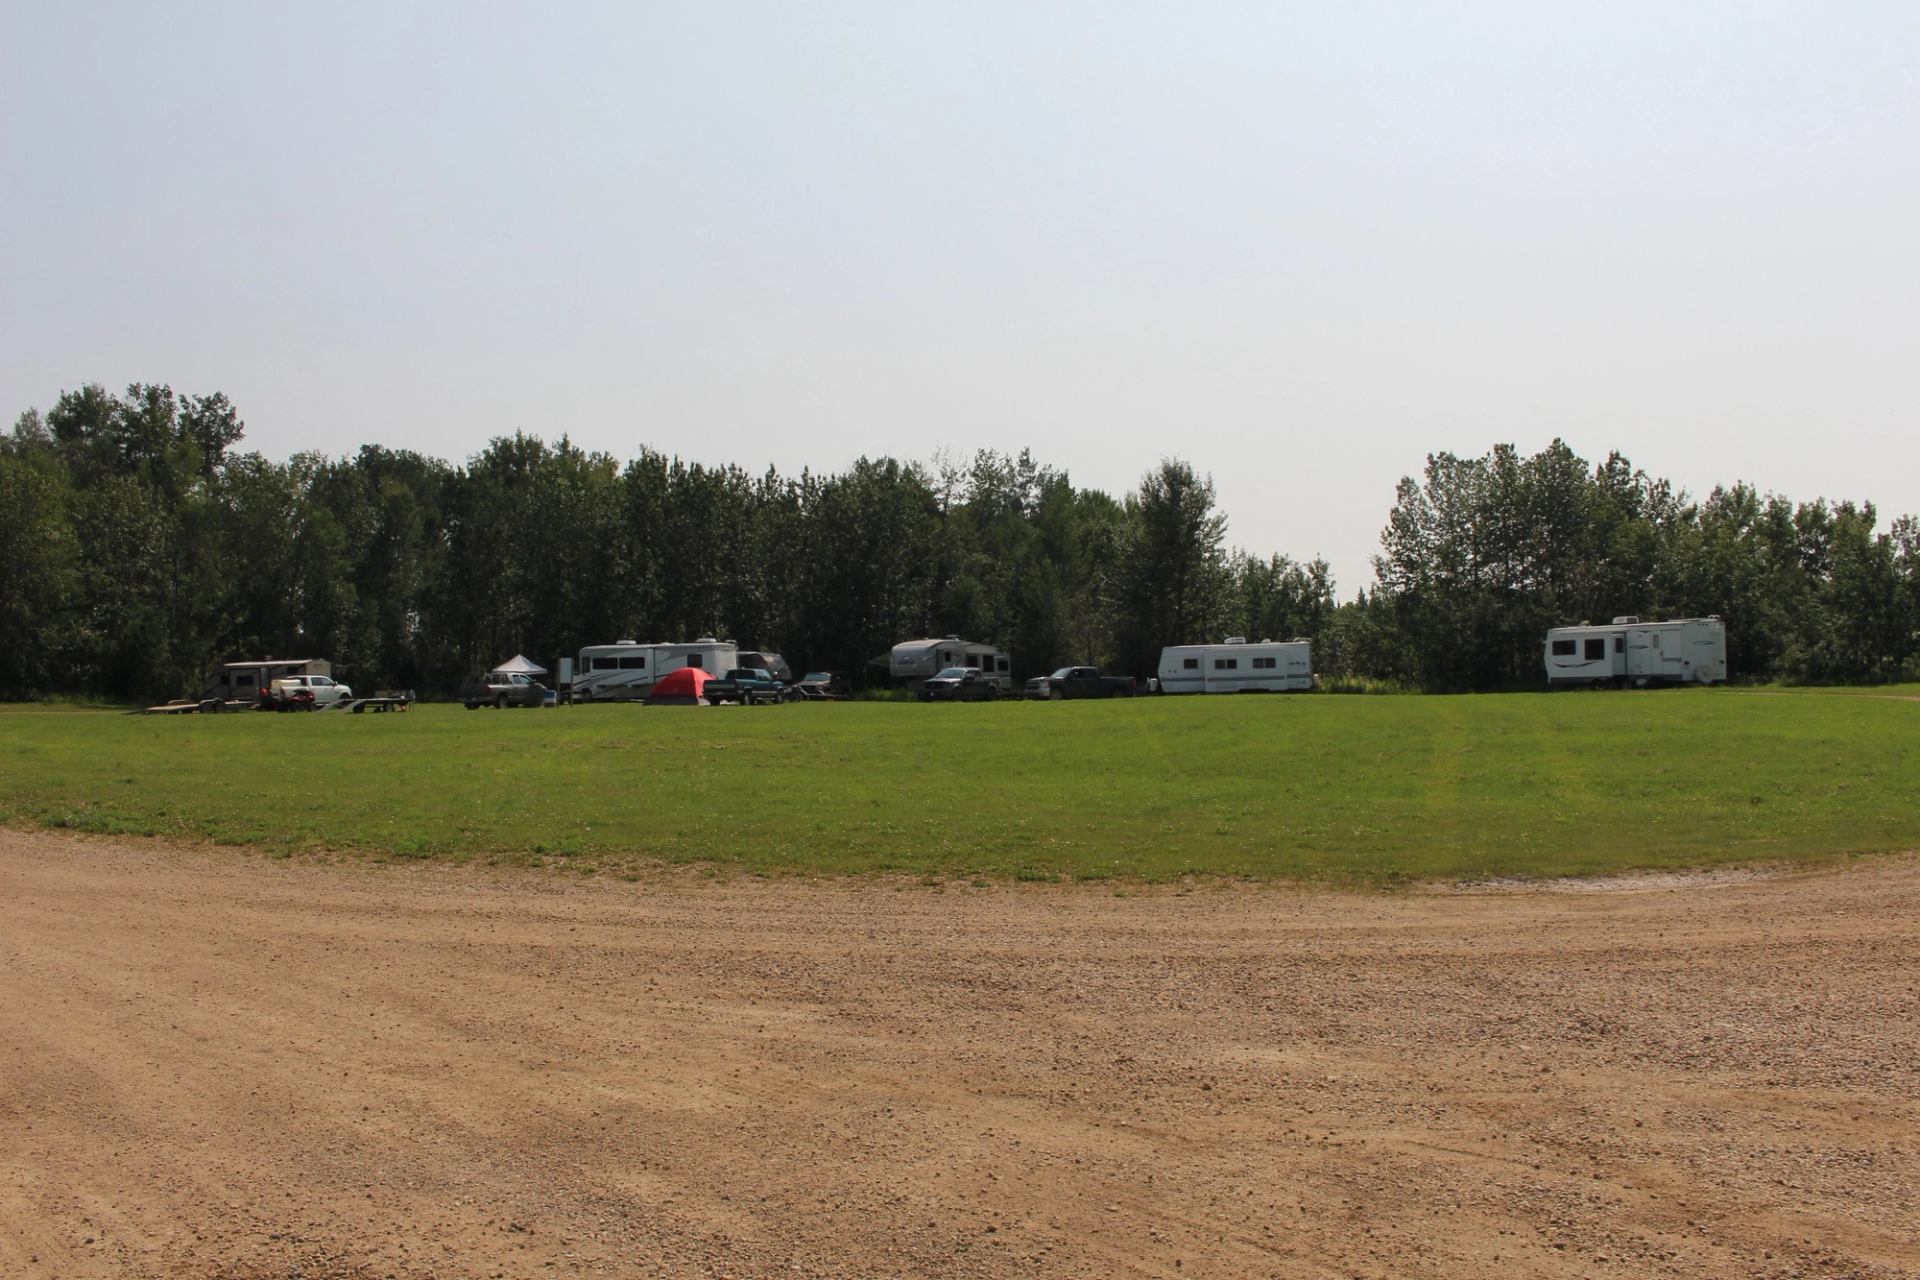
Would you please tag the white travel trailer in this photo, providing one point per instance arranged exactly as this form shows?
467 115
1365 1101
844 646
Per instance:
1270 666
1629 651
625 670
915 660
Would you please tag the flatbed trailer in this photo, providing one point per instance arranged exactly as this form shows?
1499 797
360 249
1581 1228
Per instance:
386 702
206 706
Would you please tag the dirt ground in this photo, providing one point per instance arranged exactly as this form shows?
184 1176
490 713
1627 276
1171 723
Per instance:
216 1065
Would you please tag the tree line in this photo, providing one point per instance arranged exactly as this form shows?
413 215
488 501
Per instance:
139 547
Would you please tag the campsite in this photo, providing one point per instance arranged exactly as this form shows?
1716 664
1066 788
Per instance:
1006 642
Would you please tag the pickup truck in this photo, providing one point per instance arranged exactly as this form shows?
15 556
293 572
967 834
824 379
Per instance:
503 691
821 686
1087 682
306 693
745 685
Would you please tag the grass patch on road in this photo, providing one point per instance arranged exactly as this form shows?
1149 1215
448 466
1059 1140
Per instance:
1365 790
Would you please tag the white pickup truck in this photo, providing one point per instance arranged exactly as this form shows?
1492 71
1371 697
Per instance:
325 692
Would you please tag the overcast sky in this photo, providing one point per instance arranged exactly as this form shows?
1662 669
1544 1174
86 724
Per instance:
1300 246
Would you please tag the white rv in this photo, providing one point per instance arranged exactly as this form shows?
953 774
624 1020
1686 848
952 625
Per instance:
625 670
1629 651
1270 666
916 660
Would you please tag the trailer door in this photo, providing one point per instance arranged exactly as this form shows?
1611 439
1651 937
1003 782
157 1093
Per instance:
1640 656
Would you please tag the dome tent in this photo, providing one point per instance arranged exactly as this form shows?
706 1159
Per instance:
684 687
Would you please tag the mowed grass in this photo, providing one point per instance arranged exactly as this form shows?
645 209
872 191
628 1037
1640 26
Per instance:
1364 790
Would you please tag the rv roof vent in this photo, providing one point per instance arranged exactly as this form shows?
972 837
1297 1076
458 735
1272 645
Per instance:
626 642
1236 640
950 637
705 640
1713 617
1626 620
1301 640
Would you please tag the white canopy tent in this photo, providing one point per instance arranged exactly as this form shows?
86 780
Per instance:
519 665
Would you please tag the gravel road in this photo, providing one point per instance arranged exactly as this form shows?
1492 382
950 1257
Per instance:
212 1064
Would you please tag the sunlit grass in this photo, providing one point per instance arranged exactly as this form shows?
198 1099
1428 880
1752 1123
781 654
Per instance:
1373 790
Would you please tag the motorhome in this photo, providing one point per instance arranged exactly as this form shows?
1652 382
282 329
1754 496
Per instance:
914 661
1628 651
243 681
1235 666
625 670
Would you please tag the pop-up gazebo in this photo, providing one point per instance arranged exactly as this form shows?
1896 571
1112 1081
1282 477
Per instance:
519 665
685 687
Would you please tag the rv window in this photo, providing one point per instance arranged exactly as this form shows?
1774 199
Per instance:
1563 648
634 664
605 664
1226 664
1263 664
1003 664
1596 649
696 660
1190 664
1619 644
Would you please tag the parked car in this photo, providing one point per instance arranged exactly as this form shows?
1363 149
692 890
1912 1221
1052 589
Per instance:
746 685
317 691
503 691
822 686
1087 682
959 684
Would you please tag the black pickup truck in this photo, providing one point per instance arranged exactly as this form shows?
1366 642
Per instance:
1087 682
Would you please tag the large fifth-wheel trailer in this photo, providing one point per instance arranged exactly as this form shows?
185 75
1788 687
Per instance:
914 661
1628 651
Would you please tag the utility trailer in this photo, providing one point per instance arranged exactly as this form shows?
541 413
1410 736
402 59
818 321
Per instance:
380 702
1628 651
1235 666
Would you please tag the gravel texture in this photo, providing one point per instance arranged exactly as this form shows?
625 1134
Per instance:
216 1065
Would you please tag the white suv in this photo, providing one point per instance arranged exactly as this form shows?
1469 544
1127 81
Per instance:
325 692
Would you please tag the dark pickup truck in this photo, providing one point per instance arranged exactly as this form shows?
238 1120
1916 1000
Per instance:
746 685
1087 682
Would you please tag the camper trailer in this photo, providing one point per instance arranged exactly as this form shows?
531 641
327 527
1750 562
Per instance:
244 681
1235 666
913 661
1628 651
625 670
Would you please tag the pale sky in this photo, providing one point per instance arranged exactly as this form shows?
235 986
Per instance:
1298 245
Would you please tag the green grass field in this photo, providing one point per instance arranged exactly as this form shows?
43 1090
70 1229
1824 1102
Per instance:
1361 790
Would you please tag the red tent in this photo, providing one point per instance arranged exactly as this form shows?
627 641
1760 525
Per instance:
682 688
